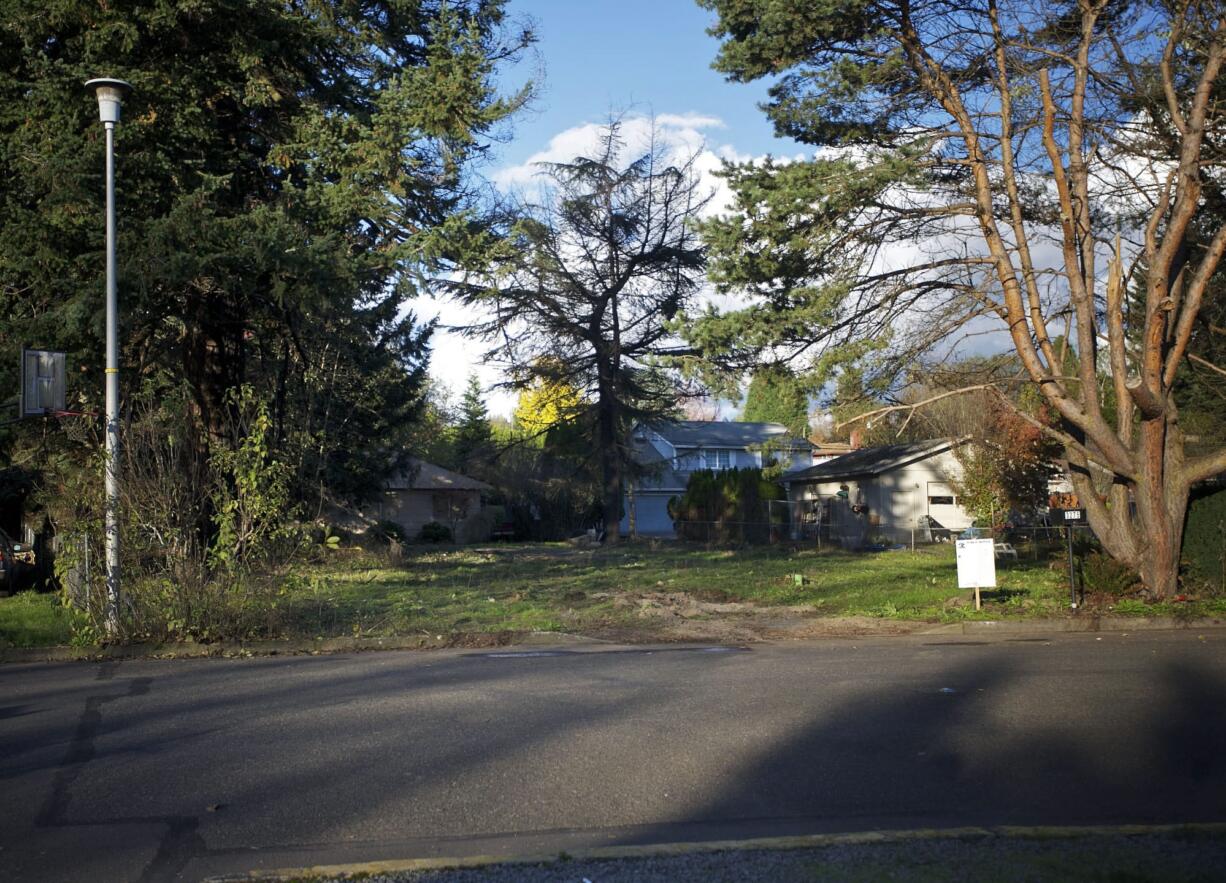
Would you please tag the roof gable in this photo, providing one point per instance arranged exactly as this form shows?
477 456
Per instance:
423 476
873 461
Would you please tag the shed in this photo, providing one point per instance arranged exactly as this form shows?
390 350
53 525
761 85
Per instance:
883 493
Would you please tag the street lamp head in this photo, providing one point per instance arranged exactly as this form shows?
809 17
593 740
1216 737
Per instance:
110 96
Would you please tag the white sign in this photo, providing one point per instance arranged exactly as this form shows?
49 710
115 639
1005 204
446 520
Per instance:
976 564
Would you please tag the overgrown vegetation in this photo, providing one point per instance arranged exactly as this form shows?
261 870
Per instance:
287 174
443 594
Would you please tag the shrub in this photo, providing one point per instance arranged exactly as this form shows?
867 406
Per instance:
433 532
1204 537
1103 574
389 532
731 505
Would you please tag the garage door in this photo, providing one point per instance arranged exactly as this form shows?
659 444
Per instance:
943 504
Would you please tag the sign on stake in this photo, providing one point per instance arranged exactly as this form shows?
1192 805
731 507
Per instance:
976 565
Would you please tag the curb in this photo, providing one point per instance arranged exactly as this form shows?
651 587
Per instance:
230 649
491 640
1075 624
810 841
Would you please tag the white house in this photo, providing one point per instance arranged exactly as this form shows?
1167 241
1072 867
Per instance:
667 453
883 492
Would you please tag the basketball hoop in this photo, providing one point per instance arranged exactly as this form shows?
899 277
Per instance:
42 383
43 395
76 429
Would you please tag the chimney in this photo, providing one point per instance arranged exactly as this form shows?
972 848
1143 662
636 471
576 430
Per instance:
857 438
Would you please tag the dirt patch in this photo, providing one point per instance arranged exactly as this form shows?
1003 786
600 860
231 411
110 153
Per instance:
679 604
677 616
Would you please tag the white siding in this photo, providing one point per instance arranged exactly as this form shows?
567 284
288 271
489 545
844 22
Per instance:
899 497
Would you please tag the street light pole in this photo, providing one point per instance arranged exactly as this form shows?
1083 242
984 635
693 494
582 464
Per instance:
110 94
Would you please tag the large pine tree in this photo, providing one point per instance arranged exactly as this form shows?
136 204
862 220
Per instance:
285 171
582 286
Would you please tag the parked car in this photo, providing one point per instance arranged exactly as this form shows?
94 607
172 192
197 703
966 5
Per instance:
17 563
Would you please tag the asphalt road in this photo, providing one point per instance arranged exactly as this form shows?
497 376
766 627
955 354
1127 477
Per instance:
161 770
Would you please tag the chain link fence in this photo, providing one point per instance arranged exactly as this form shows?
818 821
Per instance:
833 523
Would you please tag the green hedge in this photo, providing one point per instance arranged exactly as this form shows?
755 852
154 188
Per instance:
1204 538
730 505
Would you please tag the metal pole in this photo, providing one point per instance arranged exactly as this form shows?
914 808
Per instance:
112 395
1072 574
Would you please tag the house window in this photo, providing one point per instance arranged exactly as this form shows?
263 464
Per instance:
717 459
450 507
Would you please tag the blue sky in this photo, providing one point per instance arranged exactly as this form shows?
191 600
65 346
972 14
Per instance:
637 56
632 57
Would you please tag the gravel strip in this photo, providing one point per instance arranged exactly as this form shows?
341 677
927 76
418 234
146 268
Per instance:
1191 858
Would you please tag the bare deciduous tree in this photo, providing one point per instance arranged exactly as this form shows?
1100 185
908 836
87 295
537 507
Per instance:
1053 167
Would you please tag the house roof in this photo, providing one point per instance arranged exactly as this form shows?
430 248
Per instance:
657 469
726 434
833 449
871 461
423 476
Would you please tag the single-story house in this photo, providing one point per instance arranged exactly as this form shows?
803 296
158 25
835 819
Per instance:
668 452
882 492
424 492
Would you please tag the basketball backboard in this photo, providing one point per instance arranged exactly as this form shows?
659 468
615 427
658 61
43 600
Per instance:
42 382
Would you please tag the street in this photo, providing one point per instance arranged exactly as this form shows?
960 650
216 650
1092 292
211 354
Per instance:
165 770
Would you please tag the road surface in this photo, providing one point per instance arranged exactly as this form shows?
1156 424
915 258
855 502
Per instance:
168 770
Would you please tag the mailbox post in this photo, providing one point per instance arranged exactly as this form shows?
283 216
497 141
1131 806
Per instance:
1070 518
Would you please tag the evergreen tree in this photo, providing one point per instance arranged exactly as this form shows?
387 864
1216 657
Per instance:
583 285
472 433
938 127
777 396
285 171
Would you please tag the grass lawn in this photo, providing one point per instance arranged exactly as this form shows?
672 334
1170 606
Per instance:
554 587
29 619
546 587
517 587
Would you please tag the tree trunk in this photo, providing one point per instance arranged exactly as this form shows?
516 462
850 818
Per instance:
1142 527
608 444
213 364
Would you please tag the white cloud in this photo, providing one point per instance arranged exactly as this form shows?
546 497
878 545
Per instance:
681 134
689 121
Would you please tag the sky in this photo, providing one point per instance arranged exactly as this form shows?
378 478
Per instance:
600 57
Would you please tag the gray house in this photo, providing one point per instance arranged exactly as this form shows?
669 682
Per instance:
882 492
667 453
424 492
